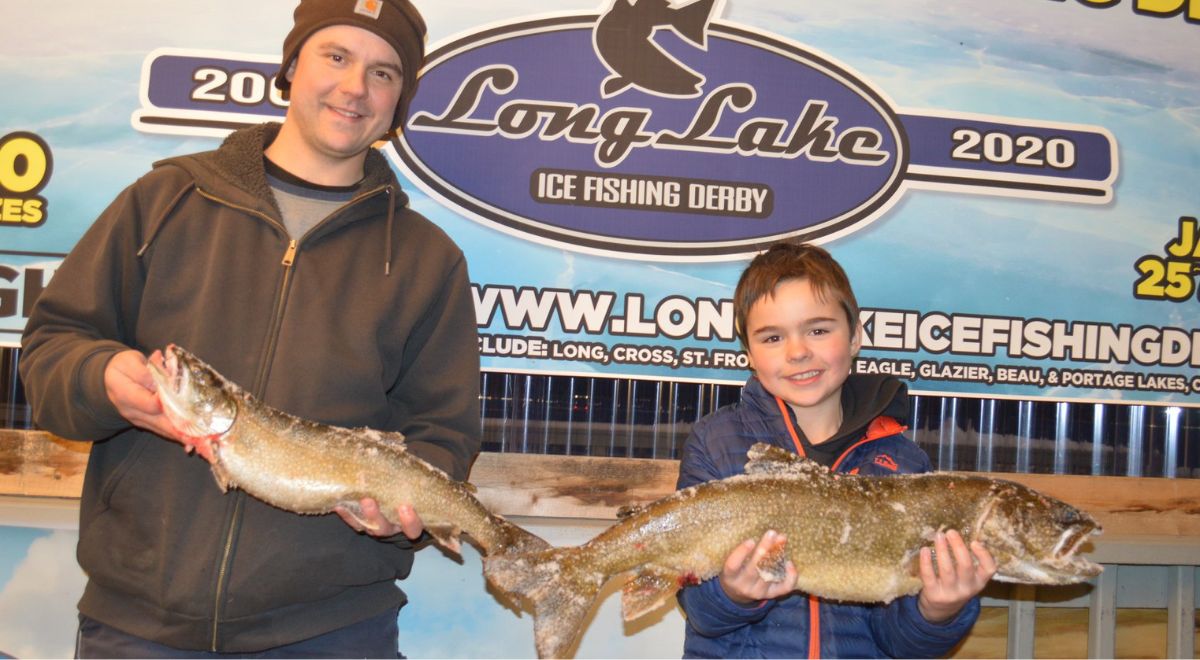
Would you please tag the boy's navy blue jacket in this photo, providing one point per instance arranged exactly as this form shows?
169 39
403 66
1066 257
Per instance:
719 628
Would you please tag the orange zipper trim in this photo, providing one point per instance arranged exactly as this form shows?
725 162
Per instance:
880 427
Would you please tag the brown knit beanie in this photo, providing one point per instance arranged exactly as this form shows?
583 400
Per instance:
396 21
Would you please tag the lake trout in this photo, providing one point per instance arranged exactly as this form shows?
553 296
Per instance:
311 468
851 538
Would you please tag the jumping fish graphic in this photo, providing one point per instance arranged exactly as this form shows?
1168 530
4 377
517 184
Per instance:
623 40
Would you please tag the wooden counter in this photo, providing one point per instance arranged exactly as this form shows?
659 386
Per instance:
1151 531
1137 513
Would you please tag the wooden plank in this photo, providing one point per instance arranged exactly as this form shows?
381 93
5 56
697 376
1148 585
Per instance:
569 486
524 484
34 463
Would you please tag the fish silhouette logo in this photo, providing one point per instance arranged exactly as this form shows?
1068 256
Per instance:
624 40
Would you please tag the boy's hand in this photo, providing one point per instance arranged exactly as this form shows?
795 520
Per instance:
957 579
741 579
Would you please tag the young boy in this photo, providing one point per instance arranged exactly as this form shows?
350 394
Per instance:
797 317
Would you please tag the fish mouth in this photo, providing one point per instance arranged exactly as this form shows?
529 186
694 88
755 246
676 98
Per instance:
1066 551
172 379
180 395
174 375
166 378
173 392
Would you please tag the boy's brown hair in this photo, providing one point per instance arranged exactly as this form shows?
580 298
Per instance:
792 261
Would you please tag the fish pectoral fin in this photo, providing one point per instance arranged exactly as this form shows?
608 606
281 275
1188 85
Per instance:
773 565
446 535
647 590
612 85
353 509
222 477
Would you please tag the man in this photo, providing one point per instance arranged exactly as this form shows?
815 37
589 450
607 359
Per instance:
288 260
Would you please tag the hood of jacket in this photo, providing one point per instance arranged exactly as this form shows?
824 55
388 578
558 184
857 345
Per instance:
864 397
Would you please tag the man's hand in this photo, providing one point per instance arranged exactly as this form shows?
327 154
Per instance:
372 521
960 575
740 577
129 386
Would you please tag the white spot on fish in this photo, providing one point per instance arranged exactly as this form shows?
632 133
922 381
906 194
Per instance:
846 528
899 507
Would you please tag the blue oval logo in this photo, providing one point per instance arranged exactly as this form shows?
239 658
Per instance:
651 131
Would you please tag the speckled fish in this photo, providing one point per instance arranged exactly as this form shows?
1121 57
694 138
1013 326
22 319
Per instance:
851 538
310 468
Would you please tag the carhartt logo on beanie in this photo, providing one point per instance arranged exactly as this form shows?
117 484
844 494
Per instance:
369 7
396 21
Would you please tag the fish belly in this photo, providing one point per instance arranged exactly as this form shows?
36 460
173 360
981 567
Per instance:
305 470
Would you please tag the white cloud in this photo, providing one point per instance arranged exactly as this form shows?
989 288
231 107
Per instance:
450 615
37 607
32 30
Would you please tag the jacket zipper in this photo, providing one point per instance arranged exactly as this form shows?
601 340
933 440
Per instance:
288 260
237 511
289 257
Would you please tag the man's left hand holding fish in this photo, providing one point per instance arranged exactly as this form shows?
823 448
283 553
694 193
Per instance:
374 523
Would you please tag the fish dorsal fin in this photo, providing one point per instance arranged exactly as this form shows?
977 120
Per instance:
629 510
390 440
771 460
691 21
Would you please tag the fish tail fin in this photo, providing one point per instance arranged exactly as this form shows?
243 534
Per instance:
691 21
560 593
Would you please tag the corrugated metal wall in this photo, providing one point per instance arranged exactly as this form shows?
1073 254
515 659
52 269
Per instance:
651 419
622 417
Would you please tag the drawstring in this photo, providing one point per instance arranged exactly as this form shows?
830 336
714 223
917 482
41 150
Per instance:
387 264
161 220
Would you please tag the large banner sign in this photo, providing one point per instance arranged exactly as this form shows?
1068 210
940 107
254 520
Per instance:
1012 186
620 146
